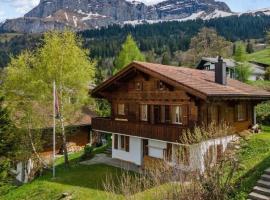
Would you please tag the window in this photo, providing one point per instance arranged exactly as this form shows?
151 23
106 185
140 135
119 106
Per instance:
115 141
139 86
121 109
177 115
144 112
160 85
241 112
124 142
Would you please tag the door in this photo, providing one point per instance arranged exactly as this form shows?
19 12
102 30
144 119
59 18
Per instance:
157 117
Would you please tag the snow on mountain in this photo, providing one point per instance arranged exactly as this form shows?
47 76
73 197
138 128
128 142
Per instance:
85 14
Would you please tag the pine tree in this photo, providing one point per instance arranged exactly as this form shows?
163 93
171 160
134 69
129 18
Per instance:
129 53
8 143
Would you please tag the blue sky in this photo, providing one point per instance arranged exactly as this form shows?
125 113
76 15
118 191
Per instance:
17 8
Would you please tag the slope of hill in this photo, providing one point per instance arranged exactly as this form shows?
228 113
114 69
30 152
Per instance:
262 56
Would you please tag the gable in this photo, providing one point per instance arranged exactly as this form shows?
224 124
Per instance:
126 80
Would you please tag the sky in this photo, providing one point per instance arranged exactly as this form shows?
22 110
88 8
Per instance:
16 8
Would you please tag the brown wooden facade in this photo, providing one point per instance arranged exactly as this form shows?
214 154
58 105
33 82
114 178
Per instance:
146 106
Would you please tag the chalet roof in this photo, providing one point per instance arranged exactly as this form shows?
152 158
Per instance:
196 82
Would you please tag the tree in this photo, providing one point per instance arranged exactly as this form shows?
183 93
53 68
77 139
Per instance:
249 48
267 74
206 43
8 146
128 53
240 54
165 58
243 72
30 76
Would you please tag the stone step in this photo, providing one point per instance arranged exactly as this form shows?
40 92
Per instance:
262 190
256 196
267 171
264 184
266 177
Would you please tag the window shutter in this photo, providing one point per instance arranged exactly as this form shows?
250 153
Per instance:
115 141
127 143
169 152
185 114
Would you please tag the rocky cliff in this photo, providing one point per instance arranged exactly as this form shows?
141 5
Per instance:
89 14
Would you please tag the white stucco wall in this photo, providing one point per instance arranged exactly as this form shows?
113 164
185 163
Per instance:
155 148
135 151
198 151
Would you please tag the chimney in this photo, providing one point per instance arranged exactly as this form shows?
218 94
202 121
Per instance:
220 72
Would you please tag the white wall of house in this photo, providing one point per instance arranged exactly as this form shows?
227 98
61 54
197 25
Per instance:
135 151
198 152
156 148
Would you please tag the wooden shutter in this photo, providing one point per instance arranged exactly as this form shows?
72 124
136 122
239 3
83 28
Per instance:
169 152
115 141
185 114
127 143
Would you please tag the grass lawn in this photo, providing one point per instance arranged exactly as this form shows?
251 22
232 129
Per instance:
254 157
260 56
84 182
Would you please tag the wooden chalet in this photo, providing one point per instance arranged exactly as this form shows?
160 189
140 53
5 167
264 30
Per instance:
151 105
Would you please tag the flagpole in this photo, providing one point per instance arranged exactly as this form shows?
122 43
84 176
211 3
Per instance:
54 123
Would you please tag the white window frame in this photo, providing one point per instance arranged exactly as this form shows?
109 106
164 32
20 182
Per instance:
144 112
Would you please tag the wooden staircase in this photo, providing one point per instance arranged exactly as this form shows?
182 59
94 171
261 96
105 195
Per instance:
262 189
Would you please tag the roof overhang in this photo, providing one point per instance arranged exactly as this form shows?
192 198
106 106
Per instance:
97 92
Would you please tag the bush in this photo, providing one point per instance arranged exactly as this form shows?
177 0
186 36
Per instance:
88 152
263 112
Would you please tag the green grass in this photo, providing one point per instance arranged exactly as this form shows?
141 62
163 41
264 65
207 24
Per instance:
254 158
262 56
83 182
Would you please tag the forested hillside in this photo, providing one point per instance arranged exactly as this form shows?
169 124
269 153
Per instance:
157 38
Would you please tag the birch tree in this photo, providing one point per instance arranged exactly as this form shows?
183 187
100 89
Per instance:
60 59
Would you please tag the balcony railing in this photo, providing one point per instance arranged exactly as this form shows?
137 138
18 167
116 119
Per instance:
165 132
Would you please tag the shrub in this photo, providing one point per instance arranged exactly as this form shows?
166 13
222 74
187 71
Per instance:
88 152
263 112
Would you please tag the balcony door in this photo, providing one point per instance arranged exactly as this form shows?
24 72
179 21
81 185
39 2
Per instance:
157 114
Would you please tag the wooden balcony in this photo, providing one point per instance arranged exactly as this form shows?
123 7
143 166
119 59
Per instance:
165 132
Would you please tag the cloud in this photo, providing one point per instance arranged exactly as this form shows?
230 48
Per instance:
2 15
21 6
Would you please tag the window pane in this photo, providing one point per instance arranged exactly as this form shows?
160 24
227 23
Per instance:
144 113
176 114
121 109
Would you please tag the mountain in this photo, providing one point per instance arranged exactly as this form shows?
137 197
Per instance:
92 14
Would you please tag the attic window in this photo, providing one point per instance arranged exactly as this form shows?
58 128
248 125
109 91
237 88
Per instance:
160 85
139 86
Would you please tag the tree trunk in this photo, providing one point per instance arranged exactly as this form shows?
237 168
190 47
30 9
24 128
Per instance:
34 148
65 151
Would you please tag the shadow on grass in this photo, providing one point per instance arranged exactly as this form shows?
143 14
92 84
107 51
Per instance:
88 176
246 182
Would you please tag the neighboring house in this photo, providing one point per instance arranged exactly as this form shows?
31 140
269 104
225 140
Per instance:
153 104
258 69
77 133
